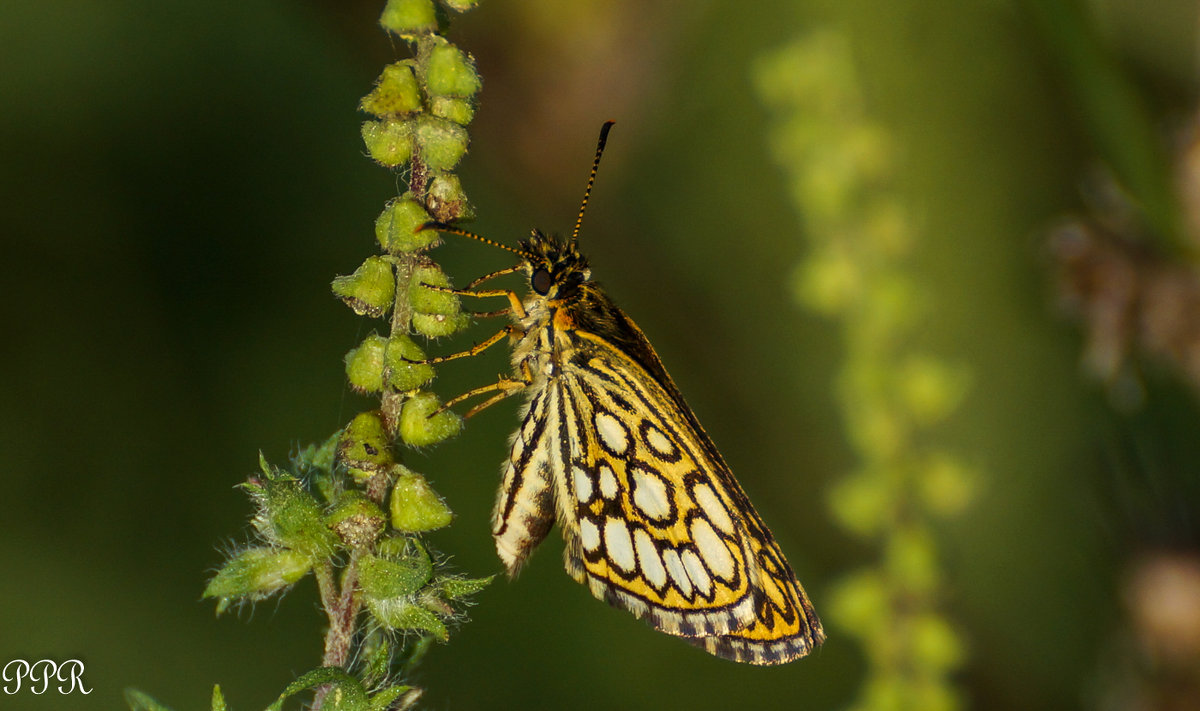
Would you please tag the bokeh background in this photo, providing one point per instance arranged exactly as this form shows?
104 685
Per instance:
179 182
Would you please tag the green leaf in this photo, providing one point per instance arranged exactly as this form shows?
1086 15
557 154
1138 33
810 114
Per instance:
141 701
456 588
347 693
385 698
377 657
256 573
404 614
318 457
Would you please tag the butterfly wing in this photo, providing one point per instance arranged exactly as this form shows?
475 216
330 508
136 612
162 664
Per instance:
785 625
661 527
524 510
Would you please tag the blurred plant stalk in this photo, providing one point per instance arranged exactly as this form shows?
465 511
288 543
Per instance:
837 165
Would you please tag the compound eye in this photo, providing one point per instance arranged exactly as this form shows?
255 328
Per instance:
541 281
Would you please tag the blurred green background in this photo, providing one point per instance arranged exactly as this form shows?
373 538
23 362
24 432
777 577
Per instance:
179 182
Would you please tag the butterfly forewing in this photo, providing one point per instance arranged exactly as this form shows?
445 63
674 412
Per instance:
657 535
785 625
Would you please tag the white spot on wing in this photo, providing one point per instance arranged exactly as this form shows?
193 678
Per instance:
677 572
619 544
650 494
713 550
583 485
589 535
659 442
612 432
696 572
713 509
608 482
652 565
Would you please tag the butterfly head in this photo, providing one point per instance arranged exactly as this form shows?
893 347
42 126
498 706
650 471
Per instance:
555 269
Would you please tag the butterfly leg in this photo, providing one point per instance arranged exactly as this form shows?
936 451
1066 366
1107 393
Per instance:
514 302
503 388
473 350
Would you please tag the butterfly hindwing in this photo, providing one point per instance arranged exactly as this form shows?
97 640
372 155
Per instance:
524 510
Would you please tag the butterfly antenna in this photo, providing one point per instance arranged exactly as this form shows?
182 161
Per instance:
451 229
591 178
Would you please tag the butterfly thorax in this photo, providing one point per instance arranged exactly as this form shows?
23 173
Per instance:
559 282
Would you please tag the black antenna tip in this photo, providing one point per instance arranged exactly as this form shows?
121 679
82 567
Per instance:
604 132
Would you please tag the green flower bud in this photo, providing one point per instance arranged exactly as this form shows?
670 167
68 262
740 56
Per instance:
370 290
442 143
390 143
396 227
419 427
936 647
438 325
364 446
364 365
946 486
451 72
460 111
932 389
256 573
432 301
911 559
861 503
403 614
409 18
356 519
290 516
416 507
382 578
395 94
859 603
400 373
460 5
447 200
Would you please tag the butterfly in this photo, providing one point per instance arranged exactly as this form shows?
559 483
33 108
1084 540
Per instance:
653 519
